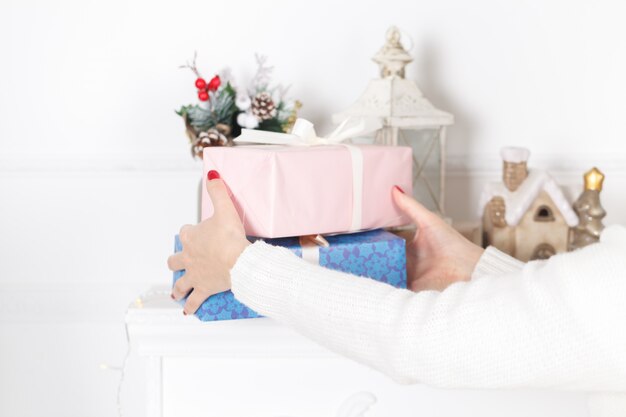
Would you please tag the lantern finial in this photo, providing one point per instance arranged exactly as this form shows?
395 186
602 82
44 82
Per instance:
392 57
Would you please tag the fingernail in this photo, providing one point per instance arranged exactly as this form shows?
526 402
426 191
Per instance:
184 313
213 175
397 187
172 296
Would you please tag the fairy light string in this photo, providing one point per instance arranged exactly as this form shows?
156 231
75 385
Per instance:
138 303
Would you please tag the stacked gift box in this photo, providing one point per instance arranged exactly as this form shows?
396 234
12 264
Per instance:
286 194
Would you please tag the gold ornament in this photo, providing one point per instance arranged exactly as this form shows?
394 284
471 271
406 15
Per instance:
224 129
291 120
590 212
594 179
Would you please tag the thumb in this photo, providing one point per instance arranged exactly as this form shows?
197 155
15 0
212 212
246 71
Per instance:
216 187
419 214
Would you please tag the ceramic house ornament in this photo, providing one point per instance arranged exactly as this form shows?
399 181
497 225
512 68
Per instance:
408 118
526 215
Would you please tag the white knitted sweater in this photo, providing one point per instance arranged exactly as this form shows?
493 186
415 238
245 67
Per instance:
559 323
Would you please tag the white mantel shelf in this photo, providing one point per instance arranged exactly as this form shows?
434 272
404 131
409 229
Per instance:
270 357
256 367
157 326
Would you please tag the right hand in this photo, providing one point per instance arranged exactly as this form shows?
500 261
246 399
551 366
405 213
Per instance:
438 255
210 249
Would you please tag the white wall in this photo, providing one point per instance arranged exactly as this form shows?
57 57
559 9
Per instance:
95 176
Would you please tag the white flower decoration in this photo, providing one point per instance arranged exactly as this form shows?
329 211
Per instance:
242 101
247 121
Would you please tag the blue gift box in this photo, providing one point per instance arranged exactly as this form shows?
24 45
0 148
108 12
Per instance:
376 254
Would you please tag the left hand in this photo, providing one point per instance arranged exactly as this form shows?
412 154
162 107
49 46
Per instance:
437 255
210 249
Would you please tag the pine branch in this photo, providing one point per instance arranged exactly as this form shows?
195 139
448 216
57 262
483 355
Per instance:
221 106
201 119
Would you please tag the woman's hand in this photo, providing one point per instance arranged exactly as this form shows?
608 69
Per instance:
438 255
210 249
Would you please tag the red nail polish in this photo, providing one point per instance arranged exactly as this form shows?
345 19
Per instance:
397 187
213 175
172 296
184 313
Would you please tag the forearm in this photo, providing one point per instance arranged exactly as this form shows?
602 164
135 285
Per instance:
511 330
333 308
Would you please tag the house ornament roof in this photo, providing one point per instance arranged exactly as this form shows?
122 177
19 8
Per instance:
519 201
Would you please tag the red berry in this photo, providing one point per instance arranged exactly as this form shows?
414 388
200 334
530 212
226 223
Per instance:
203 95
200 84
214 83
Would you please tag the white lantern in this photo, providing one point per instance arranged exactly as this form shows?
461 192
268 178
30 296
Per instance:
408 119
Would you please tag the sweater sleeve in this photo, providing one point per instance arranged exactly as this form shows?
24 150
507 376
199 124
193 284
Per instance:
495 262
556 323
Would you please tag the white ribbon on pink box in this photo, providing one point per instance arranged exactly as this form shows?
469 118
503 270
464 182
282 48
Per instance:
303 133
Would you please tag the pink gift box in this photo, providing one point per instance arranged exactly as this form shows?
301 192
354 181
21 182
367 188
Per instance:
282 191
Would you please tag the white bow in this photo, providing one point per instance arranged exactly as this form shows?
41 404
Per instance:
303 133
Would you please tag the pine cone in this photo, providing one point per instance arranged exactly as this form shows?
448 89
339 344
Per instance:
263 106
211 137
215 137
196 149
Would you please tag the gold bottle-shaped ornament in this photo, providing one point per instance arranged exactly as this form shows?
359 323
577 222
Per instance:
590 211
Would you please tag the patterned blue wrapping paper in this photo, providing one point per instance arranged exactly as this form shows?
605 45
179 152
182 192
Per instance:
375 254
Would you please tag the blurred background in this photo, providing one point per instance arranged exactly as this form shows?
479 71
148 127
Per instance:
96 175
